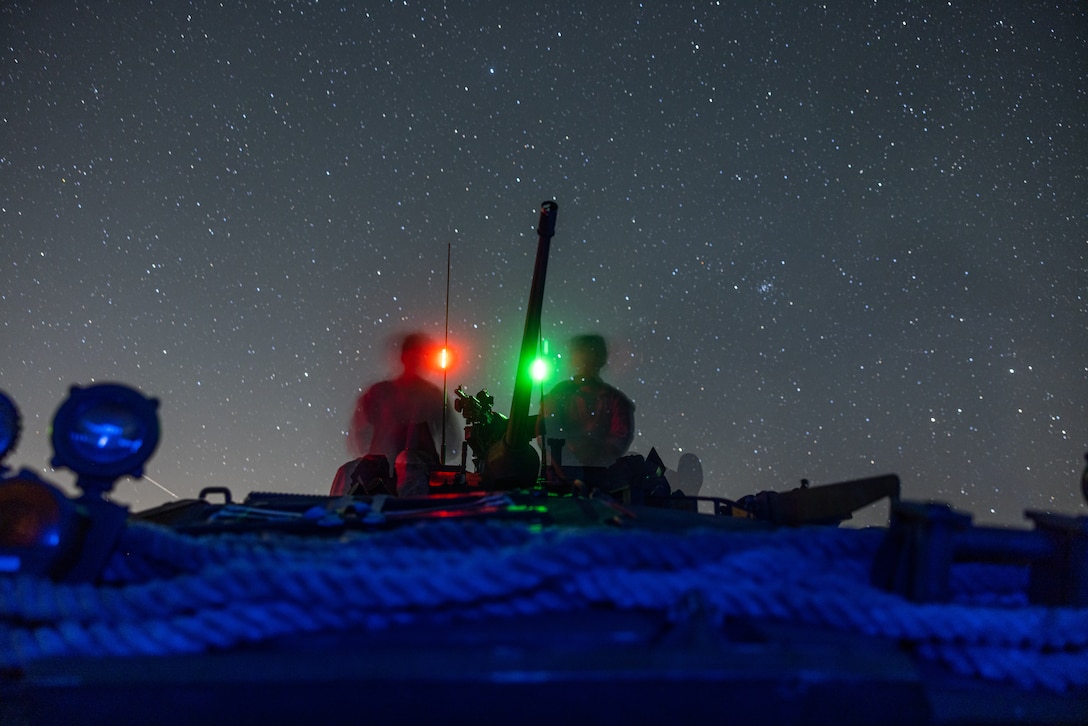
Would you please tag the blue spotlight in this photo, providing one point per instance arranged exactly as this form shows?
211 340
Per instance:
103 432
9 426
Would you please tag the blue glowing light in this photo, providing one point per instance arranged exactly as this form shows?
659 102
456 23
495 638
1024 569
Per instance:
105 431
9 424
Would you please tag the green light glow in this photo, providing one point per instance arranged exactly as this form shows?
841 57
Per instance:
539 370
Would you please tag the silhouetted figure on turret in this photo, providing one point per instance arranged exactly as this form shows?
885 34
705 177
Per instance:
595 420
401 417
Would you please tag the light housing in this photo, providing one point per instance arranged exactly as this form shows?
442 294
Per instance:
36 520
38 526
103 432
10 425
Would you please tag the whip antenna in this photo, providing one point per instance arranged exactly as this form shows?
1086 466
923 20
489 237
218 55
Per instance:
446 356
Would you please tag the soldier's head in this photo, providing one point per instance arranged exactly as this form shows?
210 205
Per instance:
414 349
588 354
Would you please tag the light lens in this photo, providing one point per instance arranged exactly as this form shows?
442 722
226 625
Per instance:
539 370
105 431
445 359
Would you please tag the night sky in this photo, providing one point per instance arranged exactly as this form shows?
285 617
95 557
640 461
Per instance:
824 240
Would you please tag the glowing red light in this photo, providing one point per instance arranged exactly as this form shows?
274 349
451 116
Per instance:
445 359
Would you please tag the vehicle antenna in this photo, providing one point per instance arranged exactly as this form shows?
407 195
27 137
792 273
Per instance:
446 356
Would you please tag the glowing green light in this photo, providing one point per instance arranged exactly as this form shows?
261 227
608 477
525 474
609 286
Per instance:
539 370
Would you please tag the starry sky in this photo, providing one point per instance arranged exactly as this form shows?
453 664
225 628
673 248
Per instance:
824 240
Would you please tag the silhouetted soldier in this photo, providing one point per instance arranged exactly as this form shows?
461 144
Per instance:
403 414
596 420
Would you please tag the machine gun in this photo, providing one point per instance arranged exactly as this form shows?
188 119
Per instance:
484 427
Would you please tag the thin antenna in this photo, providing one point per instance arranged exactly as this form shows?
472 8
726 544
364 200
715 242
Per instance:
446 356
160 486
